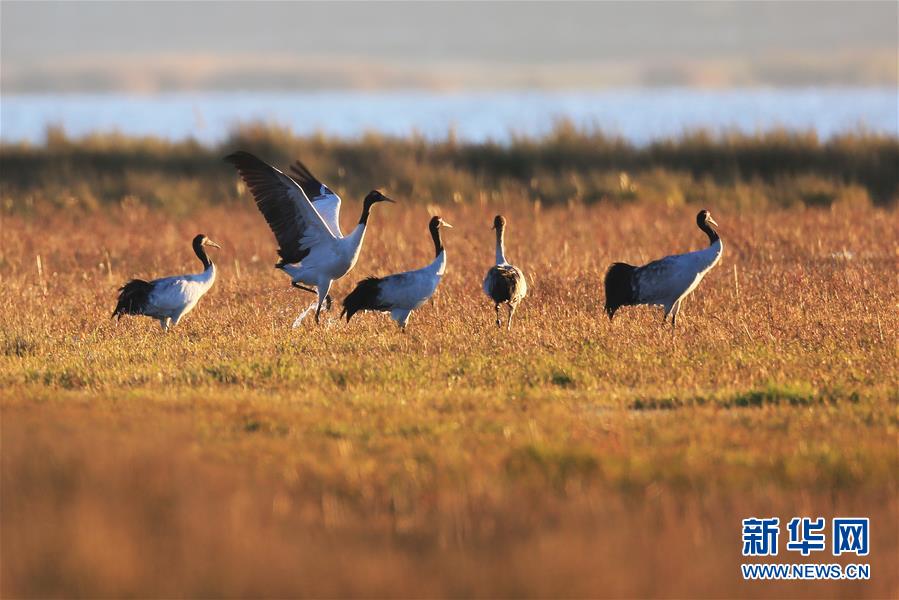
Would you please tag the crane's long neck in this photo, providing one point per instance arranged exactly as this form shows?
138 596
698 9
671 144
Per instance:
200 251
438 240
713 235
500 246
366 212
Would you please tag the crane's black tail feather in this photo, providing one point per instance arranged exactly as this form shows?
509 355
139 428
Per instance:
133 298
363 297
619 287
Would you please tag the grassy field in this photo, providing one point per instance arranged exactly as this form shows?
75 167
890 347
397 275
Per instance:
236 456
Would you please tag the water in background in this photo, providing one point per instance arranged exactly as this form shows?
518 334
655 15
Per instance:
638 115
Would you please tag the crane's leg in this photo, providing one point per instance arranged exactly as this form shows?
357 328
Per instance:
498 322
512 308
323 294
328 300
668 308
305 288
674 310
401 317
177 318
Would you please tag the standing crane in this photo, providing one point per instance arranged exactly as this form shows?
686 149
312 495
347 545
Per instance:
401 293
505 283
170 298
666 281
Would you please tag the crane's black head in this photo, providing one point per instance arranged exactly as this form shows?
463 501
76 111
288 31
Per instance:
705 221
375 196
705 218
499 222
436 223
201 240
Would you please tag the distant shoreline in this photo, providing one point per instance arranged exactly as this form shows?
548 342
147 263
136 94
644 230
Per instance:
638 115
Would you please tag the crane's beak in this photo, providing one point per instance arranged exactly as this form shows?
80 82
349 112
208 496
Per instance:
386 199
447 225
712 221
213 244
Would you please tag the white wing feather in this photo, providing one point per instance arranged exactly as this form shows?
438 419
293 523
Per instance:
317 230
328 206
322 197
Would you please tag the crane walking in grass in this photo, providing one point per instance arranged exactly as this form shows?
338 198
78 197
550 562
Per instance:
401 293
666 281
168 299
504 283
304 214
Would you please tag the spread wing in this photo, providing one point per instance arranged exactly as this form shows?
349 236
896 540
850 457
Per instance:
293 219
326 202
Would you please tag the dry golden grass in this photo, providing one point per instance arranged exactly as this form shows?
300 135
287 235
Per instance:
573 457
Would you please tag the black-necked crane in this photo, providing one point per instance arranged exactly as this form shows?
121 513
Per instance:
504 283
666 281
170 298
304 216
401 293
